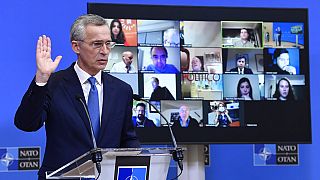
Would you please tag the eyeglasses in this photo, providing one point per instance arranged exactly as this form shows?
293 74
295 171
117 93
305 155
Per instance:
99 44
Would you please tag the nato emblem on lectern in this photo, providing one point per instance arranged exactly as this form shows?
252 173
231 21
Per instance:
132 173
19 158
275 154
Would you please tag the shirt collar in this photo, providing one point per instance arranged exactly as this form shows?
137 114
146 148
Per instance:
187 123
84 76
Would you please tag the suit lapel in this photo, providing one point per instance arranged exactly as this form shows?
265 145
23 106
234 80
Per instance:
74 89
109 97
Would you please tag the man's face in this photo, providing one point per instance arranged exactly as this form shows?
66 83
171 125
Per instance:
127 58
159 57
140 112
241 63
90 58
154 83
196 64
244 34
283 60
184 112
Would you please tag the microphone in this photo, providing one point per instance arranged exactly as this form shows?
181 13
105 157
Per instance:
177 153
96 155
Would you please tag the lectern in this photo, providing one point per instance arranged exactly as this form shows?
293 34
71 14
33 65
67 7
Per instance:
124 163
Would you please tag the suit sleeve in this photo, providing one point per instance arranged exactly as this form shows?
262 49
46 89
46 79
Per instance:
31 113
129 138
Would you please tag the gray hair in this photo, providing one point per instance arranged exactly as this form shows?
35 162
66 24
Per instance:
77 31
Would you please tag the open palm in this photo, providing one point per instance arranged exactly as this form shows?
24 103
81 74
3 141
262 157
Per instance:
45 65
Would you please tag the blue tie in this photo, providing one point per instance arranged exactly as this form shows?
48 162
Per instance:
93 106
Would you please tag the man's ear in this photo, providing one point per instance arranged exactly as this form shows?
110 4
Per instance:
75 46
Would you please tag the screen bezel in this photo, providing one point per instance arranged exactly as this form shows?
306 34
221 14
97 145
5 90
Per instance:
299 132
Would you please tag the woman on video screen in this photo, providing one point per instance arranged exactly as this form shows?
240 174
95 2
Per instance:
244 89
117 34
222 118
284 90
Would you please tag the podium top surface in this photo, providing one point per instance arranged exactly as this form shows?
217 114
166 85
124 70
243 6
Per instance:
84 167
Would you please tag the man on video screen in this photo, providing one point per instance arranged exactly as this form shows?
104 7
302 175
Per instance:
159 64
184 119
141 120
125 66
159 93
244 39
241 63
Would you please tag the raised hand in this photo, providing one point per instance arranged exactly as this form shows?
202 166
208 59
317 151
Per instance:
45 65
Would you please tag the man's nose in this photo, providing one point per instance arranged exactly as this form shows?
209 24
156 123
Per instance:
104 49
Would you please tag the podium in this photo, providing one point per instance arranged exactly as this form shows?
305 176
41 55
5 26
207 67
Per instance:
123 163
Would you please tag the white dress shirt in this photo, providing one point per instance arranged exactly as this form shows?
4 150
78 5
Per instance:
120 67
85 84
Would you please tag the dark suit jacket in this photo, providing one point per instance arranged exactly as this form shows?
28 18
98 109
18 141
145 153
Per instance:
246 70
192 123
147 122
66 123
161 93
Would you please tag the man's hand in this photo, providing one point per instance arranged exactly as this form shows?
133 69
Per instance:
290 69
45 65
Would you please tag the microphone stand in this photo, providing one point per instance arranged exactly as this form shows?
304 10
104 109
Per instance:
96 155
177 153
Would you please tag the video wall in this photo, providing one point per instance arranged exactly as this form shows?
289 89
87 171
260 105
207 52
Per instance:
216 77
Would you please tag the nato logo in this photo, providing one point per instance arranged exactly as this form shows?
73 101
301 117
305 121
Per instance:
275 154
132 173
17 159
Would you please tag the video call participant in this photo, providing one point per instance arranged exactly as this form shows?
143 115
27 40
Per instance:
159 64
197 64
284 90
222 116
52 98
141 120
282 59
184 119
159 93
117 33
244 89
171 38
278 36
124 66
241 63
244 39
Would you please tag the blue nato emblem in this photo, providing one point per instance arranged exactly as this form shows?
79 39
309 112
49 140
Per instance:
19 158
9 159
276 154
264 154
132 173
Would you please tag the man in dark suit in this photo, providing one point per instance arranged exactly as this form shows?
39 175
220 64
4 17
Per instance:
184 119
241 69
159 93
54 99
141 120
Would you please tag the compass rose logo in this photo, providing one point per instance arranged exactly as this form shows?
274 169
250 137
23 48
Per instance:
7 159
265 154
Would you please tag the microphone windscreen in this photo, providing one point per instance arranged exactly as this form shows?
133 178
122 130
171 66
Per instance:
136 97
78 96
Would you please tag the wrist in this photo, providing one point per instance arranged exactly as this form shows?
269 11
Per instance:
42 77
